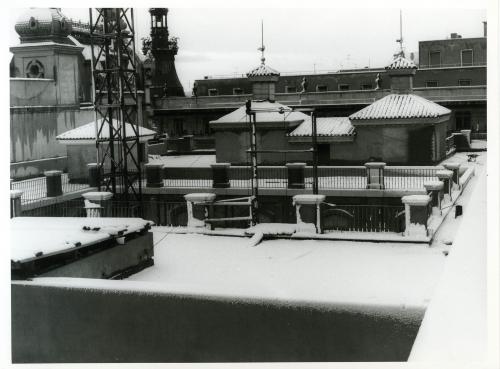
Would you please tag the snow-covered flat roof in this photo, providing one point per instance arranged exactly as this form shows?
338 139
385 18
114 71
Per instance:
31 236
340 272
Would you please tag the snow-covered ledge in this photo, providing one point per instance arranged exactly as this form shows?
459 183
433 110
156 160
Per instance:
375 175
96 203
435 191
197 209
416 214
454 167
15 203
445 176
308 217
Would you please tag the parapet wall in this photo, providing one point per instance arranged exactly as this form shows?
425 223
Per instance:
74 320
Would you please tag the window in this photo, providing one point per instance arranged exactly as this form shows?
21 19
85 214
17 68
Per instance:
212 92
343 87
434 58
237 91
467 57
366 86
321 88
464 82
290 89
431 83
35 69
462 120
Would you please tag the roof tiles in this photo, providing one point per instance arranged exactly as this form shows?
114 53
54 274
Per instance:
401 63
263 70
401 106
331 126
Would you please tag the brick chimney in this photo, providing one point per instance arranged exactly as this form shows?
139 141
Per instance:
401 71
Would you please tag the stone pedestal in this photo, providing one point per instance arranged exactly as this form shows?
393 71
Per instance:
466 133
295 173
220 175
416 214
375 175
308 210
98 204
154 175
435 191
445 176
454 167
197 208
54 183
95 173
15 203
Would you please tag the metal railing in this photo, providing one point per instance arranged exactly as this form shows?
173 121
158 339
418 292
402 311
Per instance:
162 213
364 218
35 189
357 218
276 177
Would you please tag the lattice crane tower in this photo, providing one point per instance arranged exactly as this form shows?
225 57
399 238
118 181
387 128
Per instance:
114 71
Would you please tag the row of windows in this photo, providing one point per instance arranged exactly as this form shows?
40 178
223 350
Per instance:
466 58
341 87
461 82
294 89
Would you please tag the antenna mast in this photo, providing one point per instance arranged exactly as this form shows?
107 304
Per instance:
262 47
400 40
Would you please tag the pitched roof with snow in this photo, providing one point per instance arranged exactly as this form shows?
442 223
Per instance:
262 71
400 106
331 126
266 111
401 63
87 132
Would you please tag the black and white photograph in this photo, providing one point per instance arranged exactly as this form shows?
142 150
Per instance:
252 183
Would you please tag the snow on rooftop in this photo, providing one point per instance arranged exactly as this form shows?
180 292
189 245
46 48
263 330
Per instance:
307 270
184 161
400 106
331 126
33 235
88 132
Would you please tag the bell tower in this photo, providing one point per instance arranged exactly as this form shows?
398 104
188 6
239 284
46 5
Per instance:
165 80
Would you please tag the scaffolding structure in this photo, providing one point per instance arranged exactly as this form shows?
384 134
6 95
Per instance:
114 71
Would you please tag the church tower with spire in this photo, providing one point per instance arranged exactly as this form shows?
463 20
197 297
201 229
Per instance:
163 49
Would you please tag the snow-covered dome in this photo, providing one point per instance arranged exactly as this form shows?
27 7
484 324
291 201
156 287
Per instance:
43 24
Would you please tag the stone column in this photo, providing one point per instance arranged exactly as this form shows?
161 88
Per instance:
54 184
454 167
308 210
197 208
435 191
296 175
445 176
416 214
98 204
15 203
375 175
154 175
95 174
220 175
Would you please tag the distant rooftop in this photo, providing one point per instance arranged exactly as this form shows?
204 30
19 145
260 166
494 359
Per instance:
401 106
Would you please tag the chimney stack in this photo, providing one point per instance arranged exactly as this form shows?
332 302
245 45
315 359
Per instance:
484 28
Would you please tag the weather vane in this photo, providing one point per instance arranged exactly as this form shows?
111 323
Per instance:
262 47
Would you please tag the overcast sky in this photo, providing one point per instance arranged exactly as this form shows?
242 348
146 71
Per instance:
218 41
